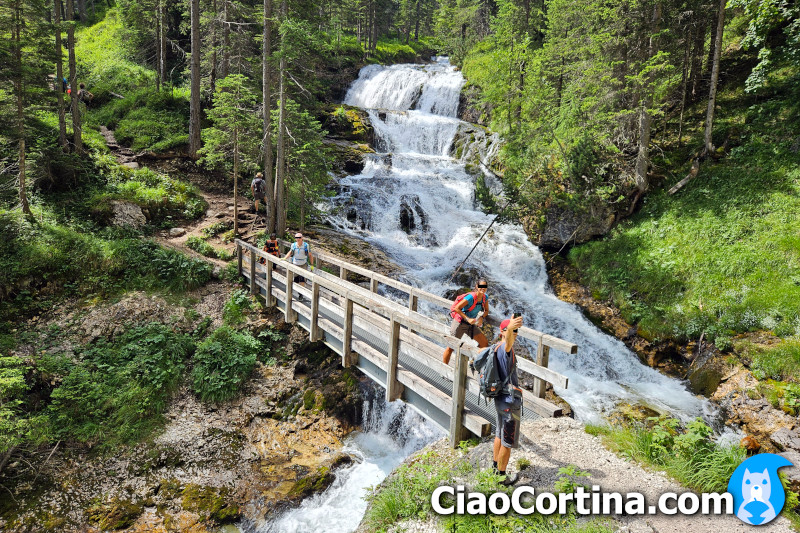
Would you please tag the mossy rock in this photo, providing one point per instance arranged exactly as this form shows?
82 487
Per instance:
209 502
115 514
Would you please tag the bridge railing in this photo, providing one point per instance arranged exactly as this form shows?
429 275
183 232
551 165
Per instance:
400 328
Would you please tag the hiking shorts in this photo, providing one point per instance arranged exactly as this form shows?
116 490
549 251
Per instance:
457 329
298 278
508 421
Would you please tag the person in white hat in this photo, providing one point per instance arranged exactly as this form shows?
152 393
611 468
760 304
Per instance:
301 256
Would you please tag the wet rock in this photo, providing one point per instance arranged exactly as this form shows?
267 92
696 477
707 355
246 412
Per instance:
564 226
127 214
412 216
115 514
707 371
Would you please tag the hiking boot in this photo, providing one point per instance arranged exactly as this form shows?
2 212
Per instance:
509 480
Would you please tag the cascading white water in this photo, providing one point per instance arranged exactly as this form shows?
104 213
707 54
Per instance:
418 204
390 432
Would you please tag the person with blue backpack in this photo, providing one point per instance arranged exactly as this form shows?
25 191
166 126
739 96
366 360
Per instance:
469 311
508 401
301 257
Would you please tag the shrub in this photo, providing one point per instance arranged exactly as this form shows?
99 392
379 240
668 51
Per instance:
236 306
117 390
222 363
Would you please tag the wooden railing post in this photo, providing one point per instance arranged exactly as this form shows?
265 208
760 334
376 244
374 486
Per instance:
314 334
253 286
347 339
373 284
542 359
239 258
412 304
343 273
459 394
270 298
393 388
289 314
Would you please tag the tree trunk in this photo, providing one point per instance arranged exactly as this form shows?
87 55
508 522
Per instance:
266 101
236 180
226 42
280 165
62 119
712 90
645 120
73 81
82 10
214 45
712 44
684 80
302 204
194 106
18 87
697 55
161 45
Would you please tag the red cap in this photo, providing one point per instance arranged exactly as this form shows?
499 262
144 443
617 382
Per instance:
504 324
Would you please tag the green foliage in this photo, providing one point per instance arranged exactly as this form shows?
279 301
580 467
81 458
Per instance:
779 362
202 247
216 228
689 455
235 308
567 480
306 157
234 119
222 363
117 390
81 260
161 196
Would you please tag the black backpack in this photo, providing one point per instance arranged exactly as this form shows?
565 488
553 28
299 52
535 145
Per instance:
261 186
485 363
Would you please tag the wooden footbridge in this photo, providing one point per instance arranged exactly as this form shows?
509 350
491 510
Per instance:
393 338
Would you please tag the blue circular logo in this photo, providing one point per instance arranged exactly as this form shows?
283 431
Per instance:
757 492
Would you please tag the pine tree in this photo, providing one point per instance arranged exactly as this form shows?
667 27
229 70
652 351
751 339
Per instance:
229 143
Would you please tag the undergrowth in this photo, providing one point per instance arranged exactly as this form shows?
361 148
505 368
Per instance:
45 261
222 363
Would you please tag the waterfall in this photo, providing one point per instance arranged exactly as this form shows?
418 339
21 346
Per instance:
418 205
390 432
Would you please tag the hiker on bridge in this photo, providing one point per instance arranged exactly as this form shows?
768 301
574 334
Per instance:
468 312
271 247
508 404
301 256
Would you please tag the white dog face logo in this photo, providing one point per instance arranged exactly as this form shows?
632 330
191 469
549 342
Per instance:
756 486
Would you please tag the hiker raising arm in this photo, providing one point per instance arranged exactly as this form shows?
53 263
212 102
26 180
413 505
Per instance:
468 312
508 404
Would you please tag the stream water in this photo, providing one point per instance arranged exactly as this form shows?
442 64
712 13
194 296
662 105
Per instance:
417 203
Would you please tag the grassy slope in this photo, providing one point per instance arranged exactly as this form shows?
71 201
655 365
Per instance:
723 255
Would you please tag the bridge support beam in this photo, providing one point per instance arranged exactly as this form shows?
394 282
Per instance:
314 333
542 359
347 338
253 286
394 389
459 395
270 298
290 316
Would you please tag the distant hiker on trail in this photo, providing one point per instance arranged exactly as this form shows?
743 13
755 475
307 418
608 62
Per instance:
84 95
301 256
259 189
467 318
509 403
64 85
271 247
